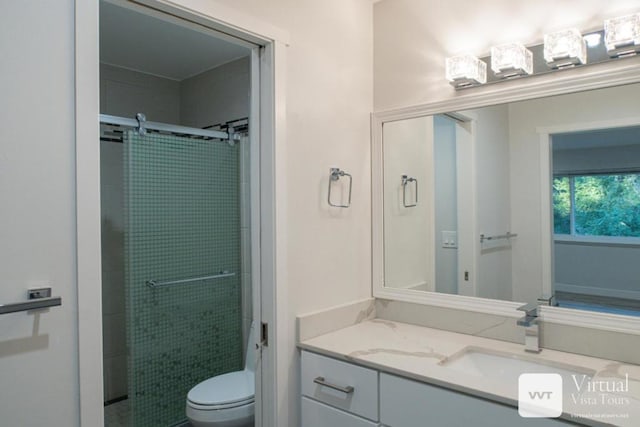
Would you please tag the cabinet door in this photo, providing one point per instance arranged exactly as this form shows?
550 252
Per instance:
406 403
316 414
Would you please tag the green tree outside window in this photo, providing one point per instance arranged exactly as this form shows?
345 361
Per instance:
600 205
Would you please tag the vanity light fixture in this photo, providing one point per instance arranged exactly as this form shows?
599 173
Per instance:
511 60
620 38
565 48
622 35
465 71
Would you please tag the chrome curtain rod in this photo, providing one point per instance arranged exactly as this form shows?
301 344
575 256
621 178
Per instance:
136 124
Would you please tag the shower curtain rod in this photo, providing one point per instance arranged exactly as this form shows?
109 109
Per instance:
135 123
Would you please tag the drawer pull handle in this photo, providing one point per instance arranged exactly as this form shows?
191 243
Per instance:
347 390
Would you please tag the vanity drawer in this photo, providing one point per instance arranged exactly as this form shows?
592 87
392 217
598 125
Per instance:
340 384
316 414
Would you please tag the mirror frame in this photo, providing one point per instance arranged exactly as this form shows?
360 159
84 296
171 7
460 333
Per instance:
627 72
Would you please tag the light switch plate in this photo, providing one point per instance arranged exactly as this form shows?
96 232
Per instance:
450 239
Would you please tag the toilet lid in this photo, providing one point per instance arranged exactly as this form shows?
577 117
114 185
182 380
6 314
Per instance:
224 389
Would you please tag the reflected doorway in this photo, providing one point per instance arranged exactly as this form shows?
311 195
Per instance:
596 219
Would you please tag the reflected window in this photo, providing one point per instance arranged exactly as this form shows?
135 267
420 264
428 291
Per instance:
597 205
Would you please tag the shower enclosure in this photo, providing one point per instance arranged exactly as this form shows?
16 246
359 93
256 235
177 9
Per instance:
183 257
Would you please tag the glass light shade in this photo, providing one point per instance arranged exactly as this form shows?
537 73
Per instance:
466 70
565 48
622 34
512 59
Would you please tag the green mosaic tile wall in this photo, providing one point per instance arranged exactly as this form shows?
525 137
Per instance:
182 220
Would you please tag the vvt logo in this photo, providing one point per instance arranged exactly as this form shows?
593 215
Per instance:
533 395
540 395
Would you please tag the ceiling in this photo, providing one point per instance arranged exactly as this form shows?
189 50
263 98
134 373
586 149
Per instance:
162 47
597 139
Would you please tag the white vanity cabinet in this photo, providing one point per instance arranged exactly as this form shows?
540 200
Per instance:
337 393
342 394
407 403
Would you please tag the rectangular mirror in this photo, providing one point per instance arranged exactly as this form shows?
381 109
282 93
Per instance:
514 202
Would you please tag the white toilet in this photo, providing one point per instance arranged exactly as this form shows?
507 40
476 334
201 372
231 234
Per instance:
226 400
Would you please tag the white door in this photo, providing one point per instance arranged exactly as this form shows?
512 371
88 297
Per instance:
38 350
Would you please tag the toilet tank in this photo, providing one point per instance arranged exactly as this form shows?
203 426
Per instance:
250 358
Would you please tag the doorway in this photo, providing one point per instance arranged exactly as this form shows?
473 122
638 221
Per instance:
596 219
176 247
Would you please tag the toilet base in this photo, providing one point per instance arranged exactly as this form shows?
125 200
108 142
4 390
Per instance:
241 416
231 423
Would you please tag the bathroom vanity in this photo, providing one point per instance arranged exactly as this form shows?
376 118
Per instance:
384 373
463 236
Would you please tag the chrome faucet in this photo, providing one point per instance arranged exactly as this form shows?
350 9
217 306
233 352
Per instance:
531 328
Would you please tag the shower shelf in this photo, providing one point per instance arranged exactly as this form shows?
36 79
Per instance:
159 284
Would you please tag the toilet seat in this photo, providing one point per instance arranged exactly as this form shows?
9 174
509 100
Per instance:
225 391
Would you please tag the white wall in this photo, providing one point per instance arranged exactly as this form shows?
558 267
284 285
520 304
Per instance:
216 96
493 201
409 244
603 159
125 92
38 352
525 118
329 98
597 269
445 196
413 38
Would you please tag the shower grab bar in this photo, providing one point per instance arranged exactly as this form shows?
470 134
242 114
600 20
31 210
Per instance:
159 284
334 175
507 236
406 179
38 298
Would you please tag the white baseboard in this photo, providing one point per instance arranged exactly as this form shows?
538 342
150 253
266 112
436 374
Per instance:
597 291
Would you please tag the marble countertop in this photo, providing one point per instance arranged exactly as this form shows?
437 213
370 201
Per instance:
610 395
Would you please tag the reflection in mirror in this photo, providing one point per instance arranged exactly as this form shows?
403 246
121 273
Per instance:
408 228
596 219
491 185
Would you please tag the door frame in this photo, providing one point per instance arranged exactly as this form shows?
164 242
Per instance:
267 181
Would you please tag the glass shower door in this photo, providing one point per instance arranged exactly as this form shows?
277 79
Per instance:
182 270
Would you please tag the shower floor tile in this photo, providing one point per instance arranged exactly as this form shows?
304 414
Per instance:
117 415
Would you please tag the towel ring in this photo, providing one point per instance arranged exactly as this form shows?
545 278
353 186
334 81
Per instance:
334 175
406 180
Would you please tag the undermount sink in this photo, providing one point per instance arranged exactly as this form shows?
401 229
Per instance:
507 367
